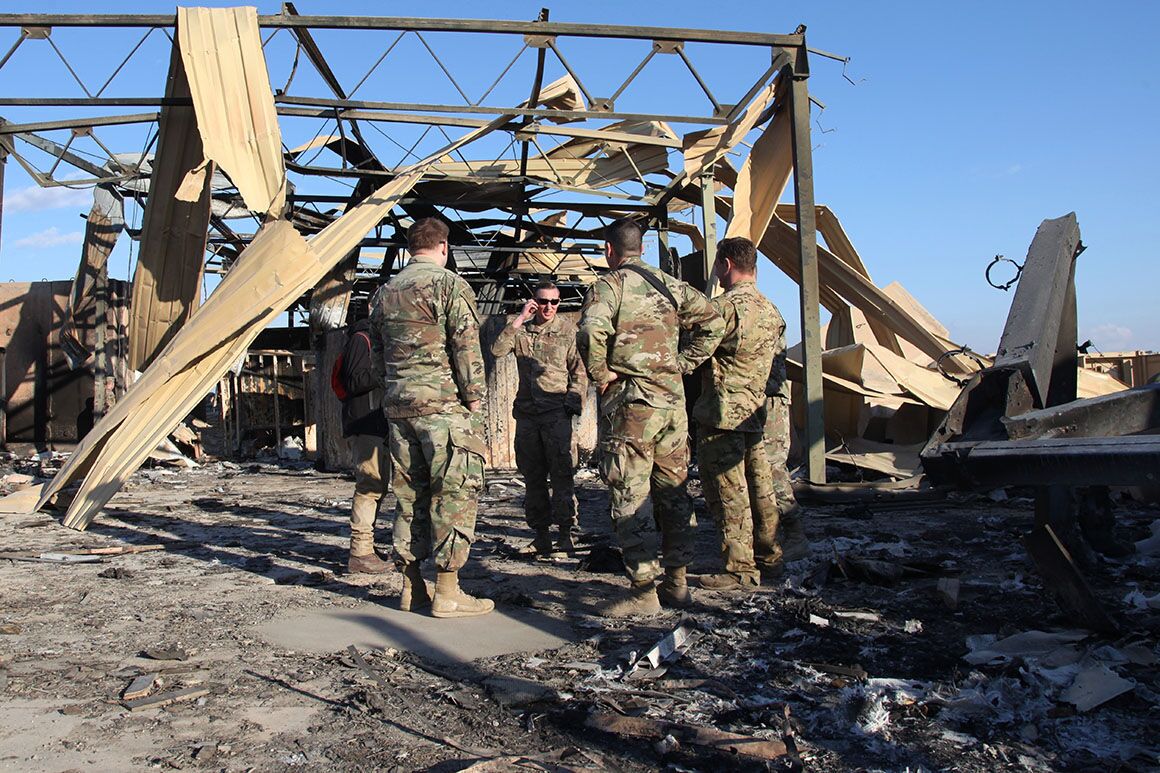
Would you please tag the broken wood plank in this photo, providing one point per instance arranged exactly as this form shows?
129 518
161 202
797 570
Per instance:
140 687
165 698
78 555
709 738
119 550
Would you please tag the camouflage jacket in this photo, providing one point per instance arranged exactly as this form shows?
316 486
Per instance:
630 329
551 374
426 327
778 383
733 382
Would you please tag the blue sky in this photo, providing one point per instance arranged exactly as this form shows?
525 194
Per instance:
969 124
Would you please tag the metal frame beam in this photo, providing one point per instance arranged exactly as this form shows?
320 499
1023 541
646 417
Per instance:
809 292
357 104
400 23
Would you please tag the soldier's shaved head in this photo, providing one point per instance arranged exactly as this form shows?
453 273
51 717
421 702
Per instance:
624 236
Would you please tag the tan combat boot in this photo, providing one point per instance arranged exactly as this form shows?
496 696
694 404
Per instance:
415 595
673 590
564 543
641 601
450 601
368 564
540 546
794 543
728 581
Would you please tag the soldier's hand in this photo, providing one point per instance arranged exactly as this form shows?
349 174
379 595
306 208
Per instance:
474 406
612 377
526 313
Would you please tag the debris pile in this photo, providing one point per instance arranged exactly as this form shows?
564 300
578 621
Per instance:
876 668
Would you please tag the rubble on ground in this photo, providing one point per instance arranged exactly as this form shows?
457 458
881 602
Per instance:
149 652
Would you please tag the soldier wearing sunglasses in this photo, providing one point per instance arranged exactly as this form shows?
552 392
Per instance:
551 388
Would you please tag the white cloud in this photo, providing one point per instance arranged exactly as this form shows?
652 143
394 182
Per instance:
50 237
1109 337
37 199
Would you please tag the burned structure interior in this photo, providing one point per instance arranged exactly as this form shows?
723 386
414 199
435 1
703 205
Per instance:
263 192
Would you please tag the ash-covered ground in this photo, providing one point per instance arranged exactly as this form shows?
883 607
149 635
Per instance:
878 671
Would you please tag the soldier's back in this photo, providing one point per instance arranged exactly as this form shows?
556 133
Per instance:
410 315
648 337
734 386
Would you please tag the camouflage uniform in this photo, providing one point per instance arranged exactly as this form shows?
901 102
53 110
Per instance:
735 470
425 324
630 329
551 392
777 424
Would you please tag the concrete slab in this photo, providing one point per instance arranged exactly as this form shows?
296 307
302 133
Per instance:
373 626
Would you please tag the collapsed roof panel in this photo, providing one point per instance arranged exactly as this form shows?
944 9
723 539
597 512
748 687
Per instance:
223 57
167 280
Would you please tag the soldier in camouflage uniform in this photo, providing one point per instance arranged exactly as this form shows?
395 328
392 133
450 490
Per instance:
551 392
735 470
629 340
365 426
792 535
425 324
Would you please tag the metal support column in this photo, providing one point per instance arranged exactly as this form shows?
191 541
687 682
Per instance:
3 352
665 258
709 220
803 189
100 349
277 410
3 164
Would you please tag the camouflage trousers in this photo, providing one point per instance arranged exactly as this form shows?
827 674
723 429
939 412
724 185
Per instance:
645 453
543 453
738 486
777 446
438 474
369 453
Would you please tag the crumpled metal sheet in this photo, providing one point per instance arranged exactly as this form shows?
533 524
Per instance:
276 268
167 279
105 222
222 52
763 177
702 149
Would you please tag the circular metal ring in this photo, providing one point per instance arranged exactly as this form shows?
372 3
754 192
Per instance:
1000 259
964 350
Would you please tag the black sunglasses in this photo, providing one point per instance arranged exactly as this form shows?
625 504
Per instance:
548 301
